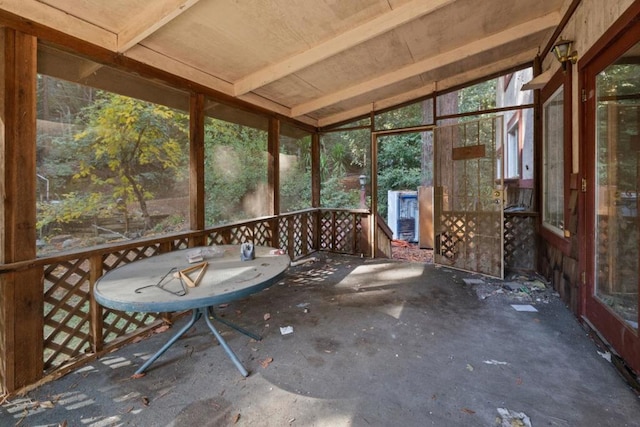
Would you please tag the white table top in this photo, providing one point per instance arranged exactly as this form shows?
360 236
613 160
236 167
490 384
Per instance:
227 278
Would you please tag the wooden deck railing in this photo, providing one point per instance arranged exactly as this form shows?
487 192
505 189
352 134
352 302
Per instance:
77 329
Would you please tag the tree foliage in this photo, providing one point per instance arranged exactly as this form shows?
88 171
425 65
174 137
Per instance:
129 148
235 168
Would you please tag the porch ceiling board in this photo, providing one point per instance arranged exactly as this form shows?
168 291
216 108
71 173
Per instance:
476 47
352 37
156 15
315 61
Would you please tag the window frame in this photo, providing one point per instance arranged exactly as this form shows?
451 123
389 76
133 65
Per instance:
561 79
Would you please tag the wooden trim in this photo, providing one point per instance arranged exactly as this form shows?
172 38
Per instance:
559 79
196 163
21 294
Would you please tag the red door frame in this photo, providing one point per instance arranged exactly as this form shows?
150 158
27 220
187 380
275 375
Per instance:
624 34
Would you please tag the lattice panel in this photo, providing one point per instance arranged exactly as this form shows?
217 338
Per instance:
283 233
466 240
66 311
116 324
519 242
126 256
262 234
309 224
340 232
216 238
326 235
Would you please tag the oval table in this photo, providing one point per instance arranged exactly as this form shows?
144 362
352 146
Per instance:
154 285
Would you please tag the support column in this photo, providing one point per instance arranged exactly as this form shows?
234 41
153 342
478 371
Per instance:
274 177
21 292
196 165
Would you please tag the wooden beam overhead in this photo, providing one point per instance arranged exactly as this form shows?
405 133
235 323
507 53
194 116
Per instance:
157 60
154 17
380 25
54 18
478 46
429 89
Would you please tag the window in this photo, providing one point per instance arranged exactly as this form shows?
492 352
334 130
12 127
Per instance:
236 177
512 154
112 155
553 163
295 168
344 158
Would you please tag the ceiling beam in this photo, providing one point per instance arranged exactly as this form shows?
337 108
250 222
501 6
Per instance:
428 89
157 15
475 47
170 65
60 20
377 26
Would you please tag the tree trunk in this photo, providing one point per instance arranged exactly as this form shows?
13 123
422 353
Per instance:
141 202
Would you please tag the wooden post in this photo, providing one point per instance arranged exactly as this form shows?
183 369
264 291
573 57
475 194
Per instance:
95 310
21 293
274 174
196 167
315 170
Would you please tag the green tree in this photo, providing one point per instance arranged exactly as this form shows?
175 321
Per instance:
399 166
129 147
235 165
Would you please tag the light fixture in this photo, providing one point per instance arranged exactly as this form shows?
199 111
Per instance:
564 54
363 180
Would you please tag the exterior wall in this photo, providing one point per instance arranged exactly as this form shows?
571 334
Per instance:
589 22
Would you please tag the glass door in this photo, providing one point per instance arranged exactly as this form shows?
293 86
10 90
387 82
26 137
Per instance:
613 201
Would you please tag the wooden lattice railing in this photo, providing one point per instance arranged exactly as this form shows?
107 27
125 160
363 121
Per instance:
520 240
77 329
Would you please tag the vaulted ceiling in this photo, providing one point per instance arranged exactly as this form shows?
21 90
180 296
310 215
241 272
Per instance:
318 61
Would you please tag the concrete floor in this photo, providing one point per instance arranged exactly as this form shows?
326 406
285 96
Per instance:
375 343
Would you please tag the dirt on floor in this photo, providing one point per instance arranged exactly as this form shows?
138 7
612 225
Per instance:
408 251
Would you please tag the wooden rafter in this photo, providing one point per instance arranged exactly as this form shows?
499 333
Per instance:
478 46
429 89
340 43
55 18
155 17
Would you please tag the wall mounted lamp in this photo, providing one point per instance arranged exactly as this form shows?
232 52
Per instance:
563 52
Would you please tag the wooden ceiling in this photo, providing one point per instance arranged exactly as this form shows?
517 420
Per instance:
318 61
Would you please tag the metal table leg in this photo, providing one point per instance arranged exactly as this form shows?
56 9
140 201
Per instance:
226 347
195 315
234 326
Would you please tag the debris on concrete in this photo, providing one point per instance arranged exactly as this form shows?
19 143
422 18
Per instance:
473 281
286 330
494 362
517 287
513 286
524 308
510 418
303 305
606 355
266 362
303 261
267 316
